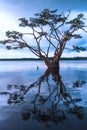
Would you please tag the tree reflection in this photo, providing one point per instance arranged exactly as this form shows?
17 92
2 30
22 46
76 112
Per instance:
51 103
78 83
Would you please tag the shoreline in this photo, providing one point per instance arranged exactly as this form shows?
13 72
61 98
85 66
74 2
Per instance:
36 59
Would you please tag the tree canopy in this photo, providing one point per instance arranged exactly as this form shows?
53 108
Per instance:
50 28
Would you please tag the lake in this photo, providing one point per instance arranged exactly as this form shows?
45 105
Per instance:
32 97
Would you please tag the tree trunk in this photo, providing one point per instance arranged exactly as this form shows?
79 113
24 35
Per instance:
54 64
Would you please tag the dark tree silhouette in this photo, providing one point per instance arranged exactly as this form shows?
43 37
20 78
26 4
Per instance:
50 28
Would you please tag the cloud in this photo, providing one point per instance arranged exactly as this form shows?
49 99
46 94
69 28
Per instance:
4 53
74 54
12 10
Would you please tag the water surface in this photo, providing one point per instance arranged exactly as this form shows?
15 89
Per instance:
32 98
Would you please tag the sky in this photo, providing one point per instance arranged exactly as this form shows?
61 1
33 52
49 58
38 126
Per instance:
12 10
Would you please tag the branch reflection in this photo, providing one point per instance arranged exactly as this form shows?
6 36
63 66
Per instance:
50 101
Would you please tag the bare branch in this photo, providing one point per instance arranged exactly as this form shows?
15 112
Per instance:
52 27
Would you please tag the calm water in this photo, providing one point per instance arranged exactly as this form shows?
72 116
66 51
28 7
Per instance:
32 98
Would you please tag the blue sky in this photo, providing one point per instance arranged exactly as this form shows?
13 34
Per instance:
12 10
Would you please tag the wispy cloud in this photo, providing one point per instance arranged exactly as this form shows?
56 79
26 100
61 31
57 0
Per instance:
12 10
4 53
74 54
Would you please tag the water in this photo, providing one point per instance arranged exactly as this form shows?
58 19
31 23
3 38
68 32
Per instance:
32 98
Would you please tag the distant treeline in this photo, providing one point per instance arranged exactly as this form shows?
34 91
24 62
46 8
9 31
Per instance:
74 58
30 59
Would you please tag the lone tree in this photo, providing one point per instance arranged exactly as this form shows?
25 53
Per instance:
51 32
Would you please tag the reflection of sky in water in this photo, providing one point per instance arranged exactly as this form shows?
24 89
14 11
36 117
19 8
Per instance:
74 64
19 72
73 75
17 66
24 73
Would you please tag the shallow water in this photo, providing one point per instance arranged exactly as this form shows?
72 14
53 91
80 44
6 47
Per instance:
31 98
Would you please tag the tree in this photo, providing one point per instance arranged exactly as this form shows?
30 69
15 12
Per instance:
50 28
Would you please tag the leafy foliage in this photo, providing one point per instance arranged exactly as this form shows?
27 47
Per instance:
78 49
54 28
